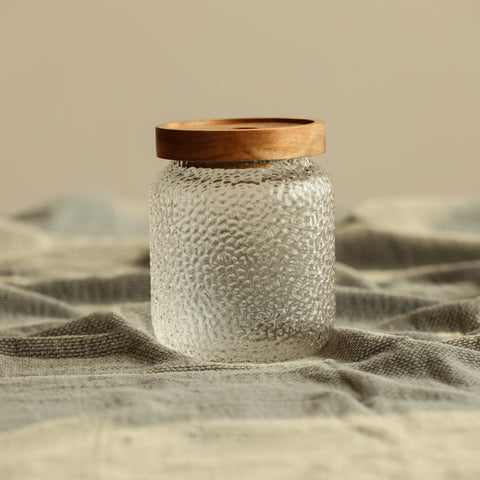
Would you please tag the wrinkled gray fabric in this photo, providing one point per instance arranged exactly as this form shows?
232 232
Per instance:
76 339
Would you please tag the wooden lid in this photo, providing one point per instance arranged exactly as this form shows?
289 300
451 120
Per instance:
240 139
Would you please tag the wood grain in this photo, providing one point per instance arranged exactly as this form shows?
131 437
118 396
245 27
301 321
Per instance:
240 139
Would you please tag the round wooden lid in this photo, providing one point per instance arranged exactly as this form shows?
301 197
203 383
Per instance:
240 139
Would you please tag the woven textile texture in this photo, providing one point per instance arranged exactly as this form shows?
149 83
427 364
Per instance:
88 392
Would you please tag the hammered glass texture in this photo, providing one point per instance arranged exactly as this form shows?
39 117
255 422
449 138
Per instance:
242 260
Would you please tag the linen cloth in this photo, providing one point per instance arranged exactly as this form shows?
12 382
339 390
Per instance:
88 392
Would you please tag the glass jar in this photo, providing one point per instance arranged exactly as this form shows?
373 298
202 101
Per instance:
242 240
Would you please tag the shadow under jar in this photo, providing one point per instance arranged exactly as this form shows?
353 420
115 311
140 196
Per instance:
242 240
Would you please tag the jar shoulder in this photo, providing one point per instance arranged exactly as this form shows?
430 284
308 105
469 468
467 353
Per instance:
176 177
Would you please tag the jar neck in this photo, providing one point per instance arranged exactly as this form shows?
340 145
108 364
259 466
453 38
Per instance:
240 164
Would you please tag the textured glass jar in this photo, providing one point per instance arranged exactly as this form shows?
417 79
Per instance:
242 248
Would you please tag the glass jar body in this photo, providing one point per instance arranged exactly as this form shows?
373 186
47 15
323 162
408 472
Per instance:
242 259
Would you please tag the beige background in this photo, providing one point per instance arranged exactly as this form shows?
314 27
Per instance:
84 82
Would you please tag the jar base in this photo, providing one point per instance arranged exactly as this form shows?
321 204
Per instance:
266 351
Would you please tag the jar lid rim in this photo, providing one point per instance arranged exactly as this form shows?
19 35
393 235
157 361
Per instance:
240 139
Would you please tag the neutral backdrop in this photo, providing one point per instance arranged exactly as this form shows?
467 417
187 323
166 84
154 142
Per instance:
84 82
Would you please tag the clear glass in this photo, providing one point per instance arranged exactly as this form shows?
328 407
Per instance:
242 259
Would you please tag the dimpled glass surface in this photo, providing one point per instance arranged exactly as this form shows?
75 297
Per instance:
242 260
